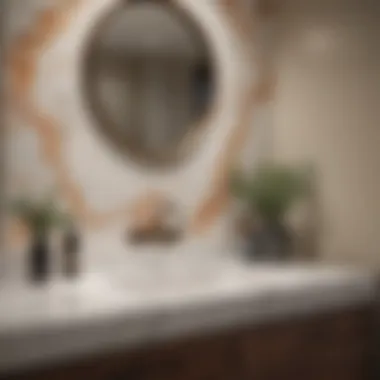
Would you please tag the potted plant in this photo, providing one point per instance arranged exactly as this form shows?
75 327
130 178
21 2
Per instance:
40 217
269 192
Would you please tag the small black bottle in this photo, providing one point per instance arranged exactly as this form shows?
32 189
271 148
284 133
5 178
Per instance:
70 252
39 258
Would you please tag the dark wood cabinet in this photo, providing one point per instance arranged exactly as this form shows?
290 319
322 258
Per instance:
329 347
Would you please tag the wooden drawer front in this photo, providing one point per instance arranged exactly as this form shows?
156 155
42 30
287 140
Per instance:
340 329
167 367
210 360
342 371
339 341
272 353
203 359
317 348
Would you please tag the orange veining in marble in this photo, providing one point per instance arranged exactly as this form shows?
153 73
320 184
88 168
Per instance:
22 65
217 200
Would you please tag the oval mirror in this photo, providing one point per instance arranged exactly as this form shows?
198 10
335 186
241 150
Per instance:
148 80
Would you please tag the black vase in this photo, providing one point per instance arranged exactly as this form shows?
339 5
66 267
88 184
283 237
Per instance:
39 258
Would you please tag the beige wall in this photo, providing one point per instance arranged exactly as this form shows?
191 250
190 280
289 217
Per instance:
327 110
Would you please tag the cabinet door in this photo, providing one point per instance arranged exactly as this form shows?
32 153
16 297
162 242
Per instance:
274 352
332 347
199 359
339 346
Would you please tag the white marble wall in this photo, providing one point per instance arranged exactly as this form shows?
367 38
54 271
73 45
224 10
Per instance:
107 180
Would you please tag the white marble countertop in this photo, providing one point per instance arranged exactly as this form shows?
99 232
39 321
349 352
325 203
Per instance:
96 312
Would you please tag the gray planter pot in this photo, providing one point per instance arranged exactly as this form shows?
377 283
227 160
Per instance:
272 242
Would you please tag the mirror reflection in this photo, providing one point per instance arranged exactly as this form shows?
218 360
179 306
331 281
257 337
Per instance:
149 80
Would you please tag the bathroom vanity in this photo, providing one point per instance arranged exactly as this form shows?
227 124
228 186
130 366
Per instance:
176 86
265 322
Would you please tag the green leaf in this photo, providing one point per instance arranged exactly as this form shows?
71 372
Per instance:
271 189
40 216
